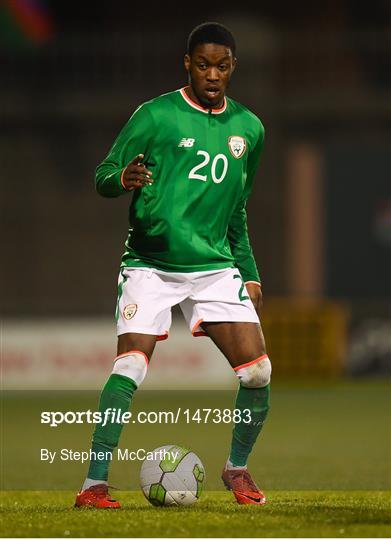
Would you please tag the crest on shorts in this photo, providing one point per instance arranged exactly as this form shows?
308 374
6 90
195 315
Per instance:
130 311
237 146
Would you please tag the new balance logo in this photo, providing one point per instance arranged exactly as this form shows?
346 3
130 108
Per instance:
186 143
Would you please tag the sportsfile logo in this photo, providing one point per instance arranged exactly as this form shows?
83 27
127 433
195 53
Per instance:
117 416
186 143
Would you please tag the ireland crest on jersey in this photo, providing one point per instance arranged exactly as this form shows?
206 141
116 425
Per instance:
237 146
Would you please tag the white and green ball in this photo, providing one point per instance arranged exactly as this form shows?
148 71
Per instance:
172 481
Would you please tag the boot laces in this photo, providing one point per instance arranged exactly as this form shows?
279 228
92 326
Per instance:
101 490
245 479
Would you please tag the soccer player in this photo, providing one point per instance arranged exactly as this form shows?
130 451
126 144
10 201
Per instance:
189 159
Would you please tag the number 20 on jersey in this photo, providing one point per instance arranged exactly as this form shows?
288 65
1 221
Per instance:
195 171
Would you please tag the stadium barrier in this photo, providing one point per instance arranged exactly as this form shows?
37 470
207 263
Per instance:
304 339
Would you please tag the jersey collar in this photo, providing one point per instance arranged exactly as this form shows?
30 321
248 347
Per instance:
198 107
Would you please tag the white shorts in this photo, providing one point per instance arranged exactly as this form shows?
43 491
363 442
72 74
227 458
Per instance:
146 296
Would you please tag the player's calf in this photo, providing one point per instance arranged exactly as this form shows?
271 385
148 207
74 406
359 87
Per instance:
253 398
128 373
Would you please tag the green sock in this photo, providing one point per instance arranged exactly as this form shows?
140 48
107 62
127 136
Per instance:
117 393
256 400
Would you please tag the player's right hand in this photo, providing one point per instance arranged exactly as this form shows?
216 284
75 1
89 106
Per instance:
136 175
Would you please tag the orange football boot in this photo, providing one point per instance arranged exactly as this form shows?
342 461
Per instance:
97 497
243 487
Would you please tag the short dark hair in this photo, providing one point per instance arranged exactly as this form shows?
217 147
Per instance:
211 32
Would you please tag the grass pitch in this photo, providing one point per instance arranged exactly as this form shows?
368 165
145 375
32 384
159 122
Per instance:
287 514
329 436
323 459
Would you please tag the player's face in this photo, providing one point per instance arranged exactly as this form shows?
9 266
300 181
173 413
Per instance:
210 68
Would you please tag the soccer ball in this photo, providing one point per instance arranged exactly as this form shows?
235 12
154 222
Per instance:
172 476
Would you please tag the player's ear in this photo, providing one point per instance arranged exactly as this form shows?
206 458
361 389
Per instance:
233 64
187 61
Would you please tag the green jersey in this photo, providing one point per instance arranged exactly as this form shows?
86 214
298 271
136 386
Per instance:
203 162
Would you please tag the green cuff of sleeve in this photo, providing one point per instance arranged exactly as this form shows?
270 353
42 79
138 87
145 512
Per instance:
116 182
250 275
109 185
253 279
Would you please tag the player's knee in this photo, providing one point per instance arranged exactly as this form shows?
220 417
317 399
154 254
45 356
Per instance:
133 365
255 374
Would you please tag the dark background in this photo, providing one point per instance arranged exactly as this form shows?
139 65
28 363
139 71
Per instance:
317 74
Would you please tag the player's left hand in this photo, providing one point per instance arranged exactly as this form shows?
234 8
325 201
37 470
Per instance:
255 293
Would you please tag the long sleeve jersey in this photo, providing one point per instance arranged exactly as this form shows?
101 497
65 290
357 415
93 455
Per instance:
203 162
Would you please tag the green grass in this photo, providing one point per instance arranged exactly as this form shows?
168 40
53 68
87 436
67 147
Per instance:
287 514
324 436
323 460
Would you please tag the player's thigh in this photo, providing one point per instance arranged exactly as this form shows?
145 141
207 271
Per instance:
133 341
240 342
143 314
